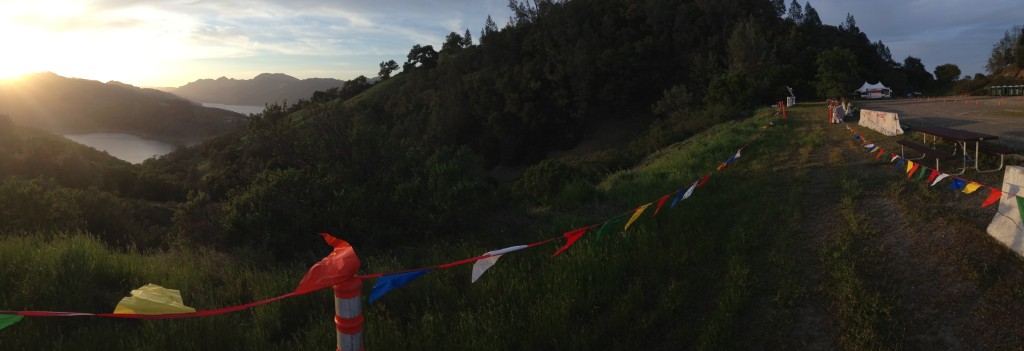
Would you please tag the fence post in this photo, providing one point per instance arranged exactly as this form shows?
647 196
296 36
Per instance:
348 314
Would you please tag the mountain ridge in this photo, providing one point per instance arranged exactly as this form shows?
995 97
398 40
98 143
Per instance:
262 89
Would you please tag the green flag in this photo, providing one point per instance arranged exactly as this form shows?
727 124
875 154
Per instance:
7 320
1020 206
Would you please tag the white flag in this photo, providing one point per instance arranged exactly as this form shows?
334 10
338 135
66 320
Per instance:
940 177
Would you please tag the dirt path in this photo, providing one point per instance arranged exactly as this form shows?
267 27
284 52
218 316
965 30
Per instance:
941 282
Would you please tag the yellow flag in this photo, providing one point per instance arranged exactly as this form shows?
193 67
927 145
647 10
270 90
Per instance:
152 299
636 215
971 187
910 165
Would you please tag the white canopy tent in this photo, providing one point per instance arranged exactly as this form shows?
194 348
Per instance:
874 91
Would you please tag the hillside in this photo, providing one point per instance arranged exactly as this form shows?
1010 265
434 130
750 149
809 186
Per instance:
70 105
262 89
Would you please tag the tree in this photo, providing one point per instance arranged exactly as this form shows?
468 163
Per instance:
947 73
837 72
420 57
780 7
811 17
1003 51
1018 52
467 39
884 53
452 44
851 24
796 12
917 76
748 49
489 27
386 68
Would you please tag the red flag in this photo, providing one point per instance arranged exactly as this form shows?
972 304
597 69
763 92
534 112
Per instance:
574 235
340 265
931 177
993 197
660 203
703 180
880 153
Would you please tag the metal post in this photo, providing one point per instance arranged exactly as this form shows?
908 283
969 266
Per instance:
348 314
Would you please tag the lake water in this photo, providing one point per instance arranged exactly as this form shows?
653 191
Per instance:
123 146
243 109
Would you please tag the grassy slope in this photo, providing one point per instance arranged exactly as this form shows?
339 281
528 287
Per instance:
743 264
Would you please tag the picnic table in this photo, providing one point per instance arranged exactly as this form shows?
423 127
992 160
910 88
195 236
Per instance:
961 139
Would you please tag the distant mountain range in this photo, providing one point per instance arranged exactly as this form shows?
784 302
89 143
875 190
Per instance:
264 88
71 105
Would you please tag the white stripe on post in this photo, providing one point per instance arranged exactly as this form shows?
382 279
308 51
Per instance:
348 315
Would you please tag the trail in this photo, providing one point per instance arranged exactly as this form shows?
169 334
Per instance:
948 284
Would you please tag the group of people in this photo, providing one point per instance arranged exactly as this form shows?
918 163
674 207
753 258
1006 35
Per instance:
839 109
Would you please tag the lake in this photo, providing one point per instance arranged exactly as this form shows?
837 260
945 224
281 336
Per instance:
243 109
123 146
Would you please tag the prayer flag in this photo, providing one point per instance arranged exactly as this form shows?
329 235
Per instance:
153 299
636 215
920 175
340 265
958 184
7 320
910 166
737 154
661 202
703 180
939 178
1020 206
971 187
931 177
482 266
894 157
993 197
910 173
387 283
880 153
722 166
900 164
868 146
689 191
575 235
607 224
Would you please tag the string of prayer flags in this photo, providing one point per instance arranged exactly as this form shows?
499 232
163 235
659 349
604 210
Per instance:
576 234
7 320
993 197
153 299
636 215
971 187
387 283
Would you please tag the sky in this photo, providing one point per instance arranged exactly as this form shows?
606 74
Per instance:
166 43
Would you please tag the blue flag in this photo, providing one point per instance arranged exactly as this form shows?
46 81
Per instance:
391 282
958 184
900 165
